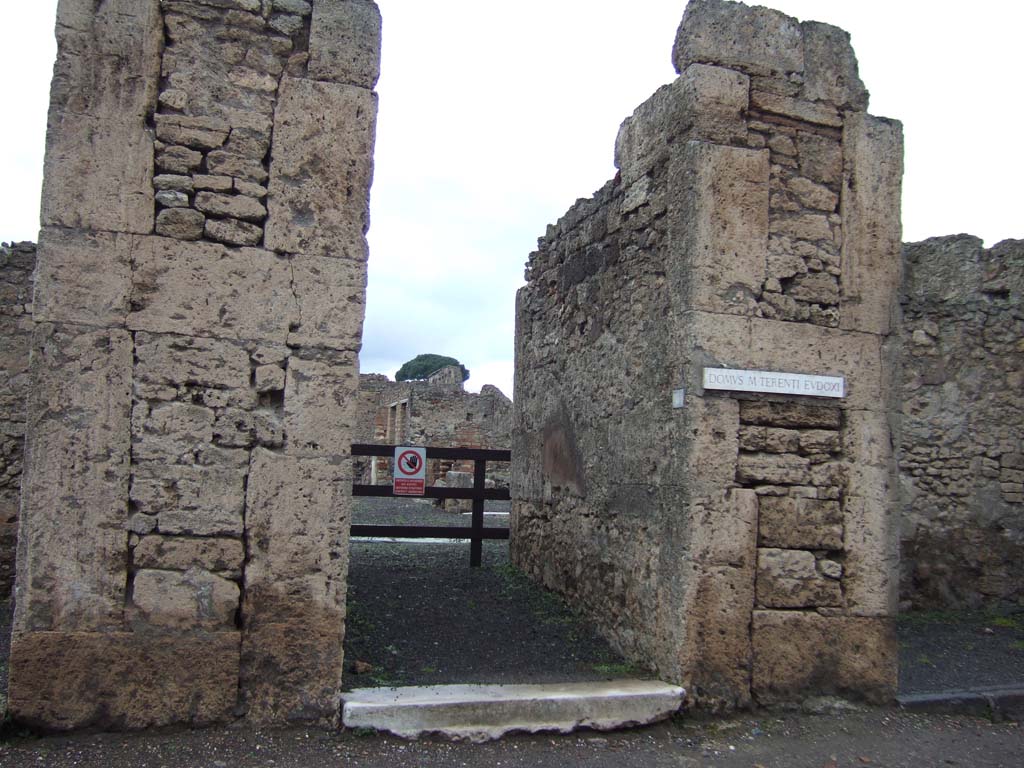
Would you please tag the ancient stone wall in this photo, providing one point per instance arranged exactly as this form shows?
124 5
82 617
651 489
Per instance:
199 304
962 441
742 545
17 266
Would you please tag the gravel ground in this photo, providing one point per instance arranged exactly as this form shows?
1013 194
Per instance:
942 651
419 615
880 738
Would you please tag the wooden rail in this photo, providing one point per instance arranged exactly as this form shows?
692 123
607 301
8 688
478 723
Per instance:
475 532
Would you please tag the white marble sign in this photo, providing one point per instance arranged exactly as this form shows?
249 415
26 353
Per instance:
773 382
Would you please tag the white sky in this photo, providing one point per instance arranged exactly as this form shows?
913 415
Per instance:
495 117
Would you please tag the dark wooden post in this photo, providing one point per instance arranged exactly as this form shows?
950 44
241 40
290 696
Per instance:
477 542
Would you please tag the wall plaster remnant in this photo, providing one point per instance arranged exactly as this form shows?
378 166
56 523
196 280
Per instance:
183 543
753 224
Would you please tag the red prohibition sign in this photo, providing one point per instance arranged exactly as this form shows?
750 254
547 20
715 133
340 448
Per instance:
409 463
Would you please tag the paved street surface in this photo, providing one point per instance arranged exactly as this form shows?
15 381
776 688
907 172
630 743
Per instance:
881 738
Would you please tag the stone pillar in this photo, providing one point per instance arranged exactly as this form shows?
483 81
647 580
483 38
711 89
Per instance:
742 544
199 303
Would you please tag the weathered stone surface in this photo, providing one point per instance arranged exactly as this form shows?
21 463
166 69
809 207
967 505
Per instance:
321 169
83 277
180 223
755 40
794 415
319 405
99 160
798 109
191 500
344 42
961 423
231 206
332 294
269 378
116 680
213 183
800 523
76 469
233 232
174 359
790 578
721 224
297 519
172 181
799 654
195 599
178 160
830 67
872 188
773 469
179 553
170 198
237 428
194 132
206 289
17 269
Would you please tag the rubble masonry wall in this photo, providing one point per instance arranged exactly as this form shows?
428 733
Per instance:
17 266
962 455
182 552
744 546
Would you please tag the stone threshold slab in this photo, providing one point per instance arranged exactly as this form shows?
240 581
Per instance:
484 712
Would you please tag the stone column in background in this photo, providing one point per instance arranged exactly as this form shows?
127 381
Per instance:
202 264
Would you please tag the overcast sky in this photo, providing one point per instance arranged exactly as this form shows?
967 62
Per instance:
495 117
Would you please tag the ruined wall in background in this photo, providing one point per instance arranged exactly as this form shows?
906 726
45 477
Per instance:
436 412
199 304
962 442
744 545
17 266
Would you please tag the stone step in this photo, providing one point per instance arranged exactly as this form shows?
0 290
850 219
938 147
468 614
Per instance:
485 712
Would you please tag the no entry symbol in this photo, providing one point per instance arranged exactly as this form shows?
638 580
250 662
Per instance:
409 463
410 471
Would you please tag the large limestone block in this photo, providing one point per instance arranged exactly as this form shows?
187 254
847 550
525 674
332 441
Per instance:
755 40
870 207
320 405
297 521
788 522
179 553
321 169
712 442
172 360
716 650
291 671
798 655
872 555
830 67
195 599
99 154
83 277
344 42
706 103
725 533
790 578
205 289
72 540
719 226
115 681
190 500
332 297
